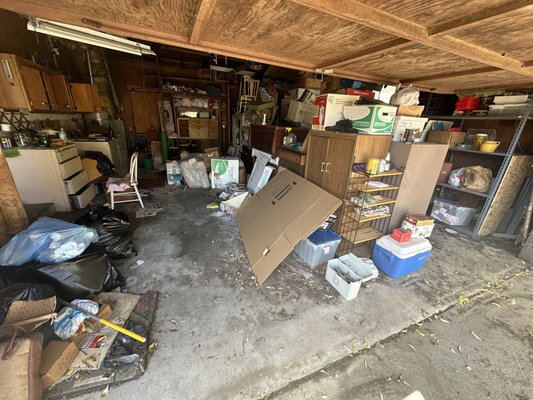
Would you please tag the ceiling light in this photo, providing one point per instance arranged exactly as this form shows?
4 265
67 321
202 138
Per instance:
88 36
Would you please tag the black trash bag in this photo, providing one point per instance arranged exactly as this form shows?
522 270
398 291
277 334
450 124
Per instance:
84 275
114 231
104 165
23 292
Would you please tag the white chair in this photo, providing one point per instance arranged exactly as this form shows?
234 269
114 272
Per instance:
125 187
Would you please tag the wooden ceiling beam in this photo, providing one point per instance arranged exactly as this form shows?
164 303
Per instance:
365 53
202 17
363 14
447 75
485 15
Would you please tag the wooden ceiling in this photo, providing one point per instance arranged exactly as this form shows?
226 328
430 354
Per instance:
440 45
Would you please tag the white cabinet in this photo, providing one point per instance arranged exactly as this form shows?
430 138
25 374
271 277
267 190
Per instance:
51 176
110 149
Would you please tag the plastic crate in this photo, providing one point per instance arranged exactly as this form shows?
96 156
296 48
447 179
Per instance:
451 212
318 248
467 103
347 272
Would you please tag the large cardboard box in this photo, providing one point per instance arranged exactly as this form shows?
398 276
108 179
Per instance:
447 137
371 119
301 112
287 210
56 359
224 171
401 123
308 83
208 154
329 109
89 165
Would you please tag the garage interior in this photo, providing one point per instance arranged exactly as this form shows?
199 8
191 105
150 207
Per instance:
322 199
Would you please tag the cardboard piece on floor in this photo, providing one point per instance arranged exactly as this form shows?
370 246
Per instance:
287 210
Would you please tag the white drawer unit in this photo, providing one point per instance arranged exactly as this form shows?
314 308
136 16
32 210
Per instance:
51 176
66 153
70 167
83 197
75 183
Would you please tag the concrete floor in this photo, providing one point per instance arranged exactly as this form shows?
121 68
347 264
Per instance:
222 337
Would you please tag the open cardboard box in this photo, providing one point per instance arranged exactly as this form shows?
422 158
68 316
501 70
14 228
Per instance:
287 210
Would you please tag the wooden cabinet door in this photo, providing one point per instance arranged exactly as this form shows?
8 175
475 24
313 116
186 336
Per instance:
316 159
12 95
82 95
61 93
35 89
96 98
339 161
145 111
50 91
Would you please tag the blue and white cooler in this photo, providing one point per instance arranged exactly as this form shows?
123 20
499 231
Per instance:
397 259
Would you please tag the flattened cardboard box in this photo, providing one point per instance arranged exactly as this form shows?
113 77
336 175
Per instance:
287 210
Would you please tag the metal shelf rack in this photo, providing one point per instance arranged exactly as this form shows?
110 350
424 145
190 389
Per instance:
473 229
359 224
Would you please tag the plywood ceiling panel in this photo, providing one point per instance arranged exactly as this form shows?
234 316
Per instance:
288 30
510 34
496 80
170 16
413 61
382 40
427 12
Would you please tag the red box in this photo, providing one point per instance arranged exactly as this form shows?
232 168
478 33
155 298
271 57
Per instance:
401 235
467 103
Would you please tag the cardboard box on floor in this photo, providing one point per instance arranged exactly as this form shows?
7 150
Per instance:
287 210
89 165
56 359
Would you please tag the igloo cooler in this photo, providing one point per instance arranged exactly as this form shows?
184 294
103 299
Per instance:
397 259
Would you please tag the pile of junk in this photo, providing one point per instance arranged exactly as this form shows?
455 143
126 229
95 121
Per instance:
66 325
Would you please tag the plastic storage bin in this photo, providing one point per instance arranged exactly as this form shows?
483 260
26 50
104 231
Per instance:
397 259
507 109
451 212
318 248
348 272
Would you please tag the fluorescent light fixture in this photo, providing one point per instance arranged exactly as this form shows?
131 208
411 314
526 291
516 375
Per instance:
88 36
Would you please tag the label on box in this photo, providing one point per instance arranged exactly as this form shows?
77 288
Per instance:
371 119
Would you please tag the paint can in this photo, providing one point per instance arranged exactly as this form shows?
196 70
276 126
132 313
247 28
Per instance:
372 166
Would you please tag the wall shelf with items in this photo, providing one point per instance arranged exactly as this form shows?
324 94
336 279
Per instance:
509 166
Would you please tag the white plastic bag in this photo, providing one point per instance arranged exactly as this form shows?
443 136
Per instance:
405 97
69 320
456 177
194 172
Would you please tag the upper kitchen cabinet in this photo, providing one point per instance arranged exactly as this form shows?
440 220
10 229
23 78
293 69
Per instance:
21 85
60 88
85 97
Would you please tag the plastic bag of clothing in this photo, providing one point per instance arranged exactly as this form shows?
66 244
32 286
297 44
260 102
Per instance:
456 177
104 164
68 321
114 231
23 292
194 171
48 241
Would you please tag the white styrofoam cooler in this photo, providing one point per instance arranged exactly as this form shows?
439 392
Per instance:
401 123
397 259
358 269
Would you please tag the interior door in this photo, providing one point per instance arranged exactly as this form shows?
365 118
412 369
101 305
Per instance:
145 110
339 161
62 93
33 83
316 159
